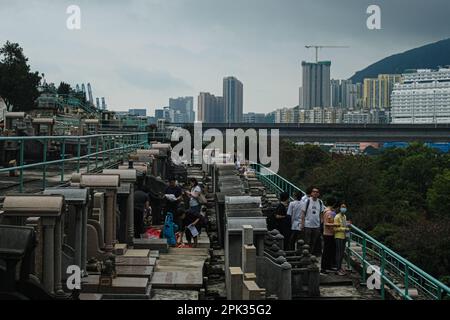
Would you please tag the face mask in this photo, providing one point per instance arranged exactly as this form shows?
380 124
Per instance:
343 210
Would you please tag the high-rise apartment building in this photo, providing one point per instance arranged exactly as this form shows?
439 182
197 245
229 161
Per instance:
184 107
345 94
233 99
253 117
210 108
423 97
377 91
316 85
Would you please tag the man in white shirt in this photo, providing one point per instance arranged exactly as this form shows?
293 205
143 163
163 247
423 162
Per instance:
294 211
310 221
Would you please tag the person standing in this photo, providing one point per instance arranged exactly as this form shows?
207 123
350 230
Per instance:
174 202
141 206
282 221
329 245
340 229
192 226
294 213
194 194
311 217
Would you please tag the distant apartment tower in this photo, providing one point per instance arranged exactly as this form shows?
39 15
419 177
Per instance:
316 84
233 99
253 117
159 114
345 94
286 115
183 107
97 100
210 108
138 112
90 97
423 97
320 115
377 91
104 103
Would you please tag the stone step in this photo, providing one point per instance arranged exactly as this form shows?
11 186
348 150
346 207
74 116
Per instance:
166 294
177 279
334 280
135 261
134 253
120 285
340 293
152 244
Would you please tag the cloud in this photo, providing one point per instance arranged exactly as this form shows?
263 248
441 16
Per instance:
141 52
151 80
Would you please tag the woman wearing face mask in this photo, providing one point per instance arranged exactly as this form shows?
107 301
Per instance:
340 230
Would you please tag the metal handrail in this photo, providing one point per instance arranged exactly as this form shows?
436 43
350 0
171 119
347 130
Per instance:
110 144
410 268
413 276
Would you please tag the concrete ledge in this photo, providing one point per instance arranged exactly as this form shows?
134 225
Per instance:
152 244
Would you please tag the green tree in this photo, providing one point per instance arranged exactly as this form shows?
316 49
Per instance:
438 195
64 88
18 85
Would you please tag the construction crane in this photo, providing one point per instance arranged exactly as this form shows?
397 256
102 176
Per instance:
321 47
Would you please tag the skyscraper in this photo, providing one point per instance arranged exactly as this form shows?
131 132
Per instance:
233 99
184 107
377 91
316 84
98 103
83 89
90 97
210 108
103 103
336 98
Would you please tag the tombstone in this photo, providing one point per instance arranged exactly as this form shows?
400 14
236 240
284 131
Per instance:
16 250
126 190
77 200
234 286
50 209
110 184
98 213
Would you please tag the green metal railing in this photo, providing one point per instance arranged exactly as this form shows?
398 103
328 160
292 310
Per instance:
396 272
111 148
273 181
404 278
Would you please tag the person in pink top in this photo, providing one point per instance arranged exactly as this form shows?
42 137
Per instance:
329 245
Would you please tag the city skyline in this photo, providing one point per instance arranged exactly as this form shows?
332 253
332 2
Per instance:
144 60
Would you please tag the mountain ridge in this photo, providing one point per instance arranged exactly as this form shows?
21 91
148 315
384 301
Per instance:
429 56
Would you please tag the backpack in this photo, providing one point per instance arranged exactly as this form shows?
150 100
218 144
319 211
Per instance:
321 210
307 206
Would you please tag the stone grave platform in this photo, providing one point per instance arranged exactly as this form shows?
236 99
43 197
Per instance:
120 285
134 271
135 261
137 253
177 279
180 268
151 244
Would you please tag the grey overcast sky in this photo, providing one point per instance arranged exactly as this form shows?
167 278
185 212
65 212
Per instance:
139 53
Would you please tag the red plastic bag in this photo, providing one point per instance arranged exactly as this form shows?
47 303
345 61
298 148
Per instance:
153 233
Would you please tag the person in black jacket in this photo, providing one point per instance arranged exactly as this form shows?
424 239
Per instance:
282 221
